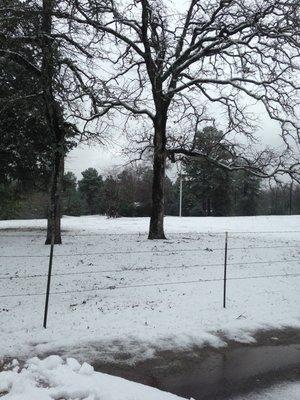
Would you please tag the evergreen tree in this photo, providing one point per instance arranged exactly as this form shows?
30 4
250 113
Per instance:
111 197
90 187
25 146
246 193
9 201
72 201
207 187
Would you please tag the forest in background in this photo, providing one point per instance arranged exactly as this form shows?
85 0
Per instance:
205 192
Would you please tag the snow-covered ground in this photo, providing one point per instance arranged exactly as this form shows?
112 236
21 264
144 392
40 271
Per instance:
53 378
100 224
113 289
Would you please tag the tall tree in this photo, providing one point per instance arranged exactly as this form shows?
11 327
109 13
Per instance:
182 69
54 120
25 153
55 77
246 190
207 184
72 202
91 188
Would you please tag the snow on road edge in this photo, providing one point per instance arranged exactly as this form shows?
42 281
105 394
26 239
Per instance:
54 378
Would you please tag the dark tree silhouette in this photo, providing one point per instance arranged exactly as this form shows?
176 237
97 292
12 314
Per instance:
181 70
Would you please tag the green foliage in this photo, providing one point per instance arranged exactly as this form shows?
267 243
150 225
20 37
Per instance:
9 201
71 200
207 187
25 145
90 189
246 189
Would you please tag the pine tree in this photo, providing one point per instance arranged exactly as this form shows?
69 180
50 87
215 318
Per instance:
90 188
207 187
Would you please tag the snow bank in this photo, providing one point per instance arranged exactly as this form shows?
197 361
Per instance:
53 378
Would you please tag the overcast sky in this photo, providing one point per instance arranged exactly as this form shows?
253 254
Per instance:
104 158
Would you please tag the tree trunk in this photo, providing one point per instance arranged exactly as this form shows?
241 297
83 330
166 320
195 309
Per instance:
54 120
156 230
54 215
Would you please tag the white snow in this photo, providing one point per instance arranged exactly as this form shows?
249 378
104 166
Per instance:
101 224
285 391
129 294
52 378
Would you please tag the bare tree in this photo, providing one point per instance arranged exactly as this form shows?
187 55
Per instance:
178 70
170 72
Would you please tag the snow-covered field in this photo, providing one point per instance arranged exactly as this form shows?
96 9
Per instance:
113 289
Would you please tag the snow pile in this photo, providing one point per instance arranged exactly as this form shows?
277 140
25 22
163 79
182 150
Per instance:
53 378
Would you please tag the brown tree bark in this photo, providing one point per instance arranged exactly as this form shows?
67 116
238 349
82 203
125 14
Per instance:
156 229
54 120
54 213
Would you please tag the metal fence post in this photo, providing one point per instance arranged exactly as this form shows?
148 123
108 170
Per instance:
225 269
53 215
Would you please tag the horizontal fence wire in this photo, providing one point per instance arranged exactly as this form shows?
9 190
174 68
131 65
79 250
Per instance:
151 268
167 251
149 285
145 233
141 269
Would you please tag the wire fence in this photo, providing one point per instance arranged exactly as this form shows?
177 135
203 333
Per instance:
142 285
70 234
153 269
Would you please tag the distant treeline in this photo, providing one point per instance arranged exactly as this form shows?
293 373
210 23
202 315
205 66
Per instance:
206 191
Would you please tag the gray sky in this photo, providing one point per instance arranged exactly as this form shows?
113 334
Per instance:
105 157
100 157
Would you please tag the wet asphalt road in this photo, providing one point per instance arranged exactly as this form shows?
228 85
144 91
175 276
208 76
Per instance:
202 373
215 374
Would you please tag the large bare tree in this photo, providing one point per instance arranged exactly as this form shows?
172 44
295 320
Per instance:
171 71
209 62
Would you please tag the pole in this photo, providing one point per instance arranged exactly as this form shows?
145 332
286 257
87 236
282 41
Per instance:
225 270
180 191
180 197
291 198
53 214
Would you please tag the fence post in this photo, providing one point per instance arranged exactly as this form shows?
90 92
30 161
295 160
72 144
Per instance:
53 214
225 270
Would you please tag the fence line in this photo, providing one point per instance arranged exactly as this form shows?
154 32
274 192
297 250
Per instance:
155 251
155 269
168 251
145 233
150 285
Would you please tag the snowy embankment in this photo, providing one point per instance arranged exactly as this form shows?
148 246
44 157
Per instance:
52 378
114 291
